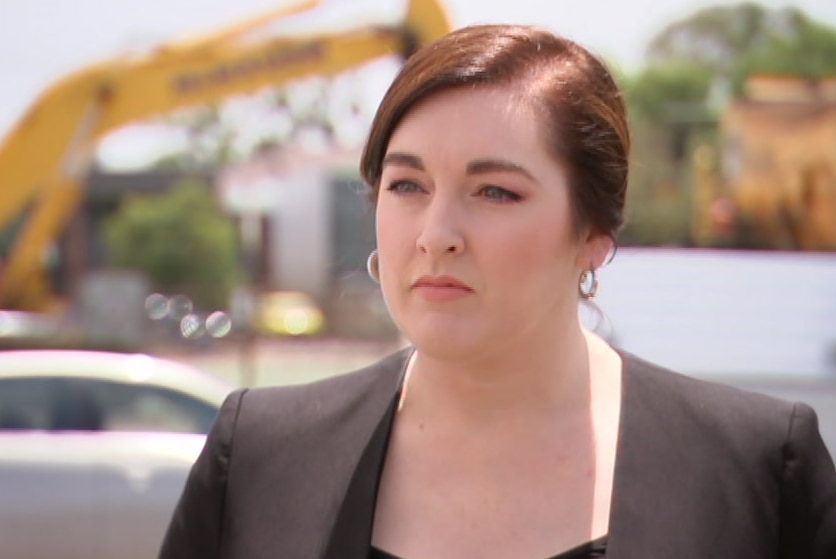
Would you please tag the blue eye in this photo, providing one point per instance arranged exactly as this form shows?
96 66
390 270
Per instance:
499 194
404 187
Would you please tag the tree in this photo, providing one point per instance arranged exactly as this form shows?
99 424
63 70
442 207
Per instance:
675 101
668 92
719 37
181 240
733 42
668 111
810 53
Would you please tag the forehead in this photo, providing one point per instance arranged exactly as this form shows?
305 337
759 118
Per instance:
496 121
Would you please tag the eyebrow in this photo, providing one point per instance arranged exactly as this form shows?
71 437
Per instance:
403 159
496 165
479 166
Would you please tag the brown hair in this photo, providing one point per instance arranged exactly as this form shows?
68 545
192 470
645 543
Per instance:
584 116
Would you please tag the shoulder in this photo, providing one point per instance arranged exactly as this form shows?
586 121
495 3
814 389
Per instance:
709 411
282 409
655 381
713 444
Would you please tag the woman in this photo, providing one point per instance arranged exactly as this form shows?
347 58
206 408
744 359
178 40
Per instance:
498 162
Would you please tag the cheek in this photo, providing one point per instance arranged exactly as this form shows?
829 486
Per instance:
387 240
529 250
392 237
537 269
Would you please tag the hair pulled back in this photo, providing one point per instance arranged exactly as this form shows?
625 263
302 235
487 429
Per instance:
582 111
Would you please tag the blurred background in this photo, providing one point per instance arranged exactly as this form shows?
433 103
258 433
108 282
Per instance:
179 179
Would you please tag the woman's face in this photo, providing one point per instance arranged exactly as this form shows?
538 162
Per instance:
474 233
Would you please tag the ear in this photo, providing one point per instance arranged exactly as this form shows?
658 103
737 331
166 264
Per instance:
596 251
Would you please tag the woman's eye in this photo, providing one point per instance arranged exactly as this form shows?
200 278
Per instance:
404 187
498 193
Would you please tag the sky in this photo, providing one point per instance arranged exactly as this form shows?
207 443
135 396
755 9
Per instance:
41 40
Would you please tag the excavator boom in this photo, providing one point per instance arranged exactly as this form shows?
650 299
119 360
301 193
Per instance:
43 161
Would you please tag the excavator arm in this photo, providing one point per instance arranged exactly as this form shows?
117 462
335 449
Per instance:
43 161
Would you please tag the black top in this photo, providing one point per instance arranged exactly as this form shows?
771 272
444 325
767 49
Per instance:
595 549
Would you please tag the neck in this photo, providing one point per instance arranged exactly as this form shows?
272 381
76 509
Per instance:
545 374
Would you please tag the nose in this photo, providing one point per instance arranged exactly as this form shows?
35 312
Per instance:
441 231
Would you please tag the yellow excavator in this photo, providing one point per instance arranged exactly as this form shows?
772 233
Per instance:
773 184
45 158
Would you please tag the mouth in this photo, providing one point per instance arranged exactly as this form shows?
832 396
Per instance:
441 289
441 282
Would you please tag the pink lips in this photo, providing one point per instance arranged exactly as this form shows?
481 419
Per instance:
441 288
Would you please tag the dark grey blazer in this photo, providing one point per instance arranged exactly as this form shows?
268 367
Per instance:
702 471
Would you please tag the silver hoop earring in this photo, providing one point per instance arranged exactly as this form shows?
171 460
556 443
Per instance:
373 266
587 284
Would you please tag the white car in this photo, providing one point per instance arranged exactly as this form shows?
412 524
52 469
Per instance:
94 450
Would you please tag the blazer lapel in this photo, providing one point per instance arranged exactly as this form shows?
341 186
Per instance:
650 483
629 532
350 535
291 483
352 532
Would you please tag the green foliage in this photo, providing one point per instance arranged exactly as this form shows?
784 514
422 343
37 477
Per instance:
733 42
669 92
669 113
658 199
181 240
718 37
693 66
657 221
810 52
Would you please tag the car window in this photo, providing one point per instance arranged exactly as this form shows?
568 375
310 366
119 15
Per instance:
75 407
72 404
25 404
136 407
